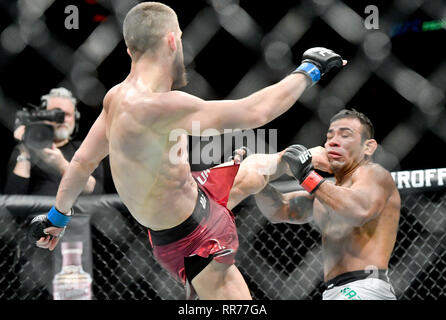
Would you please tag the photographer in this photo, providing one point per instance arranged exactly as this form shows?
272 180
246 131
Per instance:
45 148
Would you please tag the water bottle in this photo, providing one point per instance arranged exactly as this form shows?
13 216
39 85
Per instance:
72 282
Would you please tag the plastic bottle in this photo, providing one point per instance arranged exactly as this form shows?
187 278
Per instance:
72 282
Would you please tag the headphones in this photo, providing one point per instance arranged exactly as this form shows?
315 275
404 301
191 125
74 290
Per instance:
63 93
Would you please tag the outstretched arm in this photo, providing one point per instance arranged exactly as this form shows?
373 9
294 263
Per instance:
179 110
86 159
250 112
93 149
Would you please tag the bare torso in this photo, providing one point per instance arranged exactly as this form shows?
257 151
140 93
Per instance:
348 248
157 192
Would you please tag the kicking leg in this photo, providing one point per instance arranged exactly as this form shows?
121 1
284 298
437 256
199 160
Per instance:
255 172
219 281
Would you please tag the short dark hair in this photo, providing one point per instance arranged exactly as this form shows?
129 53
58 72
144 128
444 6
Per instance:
146 24
368 132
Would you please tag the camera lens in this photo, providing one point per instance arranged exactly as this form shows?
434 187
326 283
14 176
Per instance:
38 135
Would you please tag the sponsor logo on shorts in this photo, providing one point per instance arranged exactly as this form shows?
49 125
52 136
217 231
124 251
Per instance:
350 294
203 177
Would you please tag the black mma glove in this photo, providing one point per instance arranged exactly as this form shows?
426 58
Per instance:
299 160
55 218
318 61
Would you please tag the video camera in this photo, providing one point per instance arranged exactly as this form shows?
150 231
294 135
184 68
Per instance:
38 134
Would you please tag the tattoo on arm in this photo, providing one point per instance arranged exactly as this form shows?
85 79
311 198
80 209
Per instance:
274 195
273 205
300 208
269 201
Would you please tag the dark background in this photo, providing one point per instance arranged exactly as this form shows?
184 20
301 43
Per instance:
225 59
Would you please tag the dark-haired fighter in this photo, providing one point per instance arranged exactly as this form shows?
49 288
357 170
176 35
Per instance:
357 215
192 231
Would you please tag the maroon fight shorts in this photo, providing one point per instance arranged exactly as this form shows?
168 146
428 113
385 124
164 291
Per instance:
208 234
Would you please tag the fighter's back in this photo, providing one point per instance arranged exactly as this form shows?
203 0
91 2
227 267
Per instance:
160 193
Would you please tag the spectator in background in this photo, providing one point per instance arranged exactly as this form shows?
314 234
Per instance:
38 171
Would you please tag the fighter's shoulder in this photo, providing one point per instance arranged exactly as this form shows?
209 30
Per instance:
374 172
112 92
126 95
178 100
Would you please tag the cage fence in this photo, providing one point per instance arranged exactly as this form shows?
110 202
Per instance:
279 261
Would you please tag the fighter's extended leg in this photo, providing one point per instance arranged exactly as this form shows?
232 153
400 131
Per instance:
255 172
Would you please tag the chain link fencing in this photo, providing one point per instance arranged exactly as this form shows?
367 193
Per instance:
396 67
278 261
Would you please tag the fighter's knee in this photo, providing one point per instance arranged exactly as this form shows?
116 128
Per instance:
252 182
